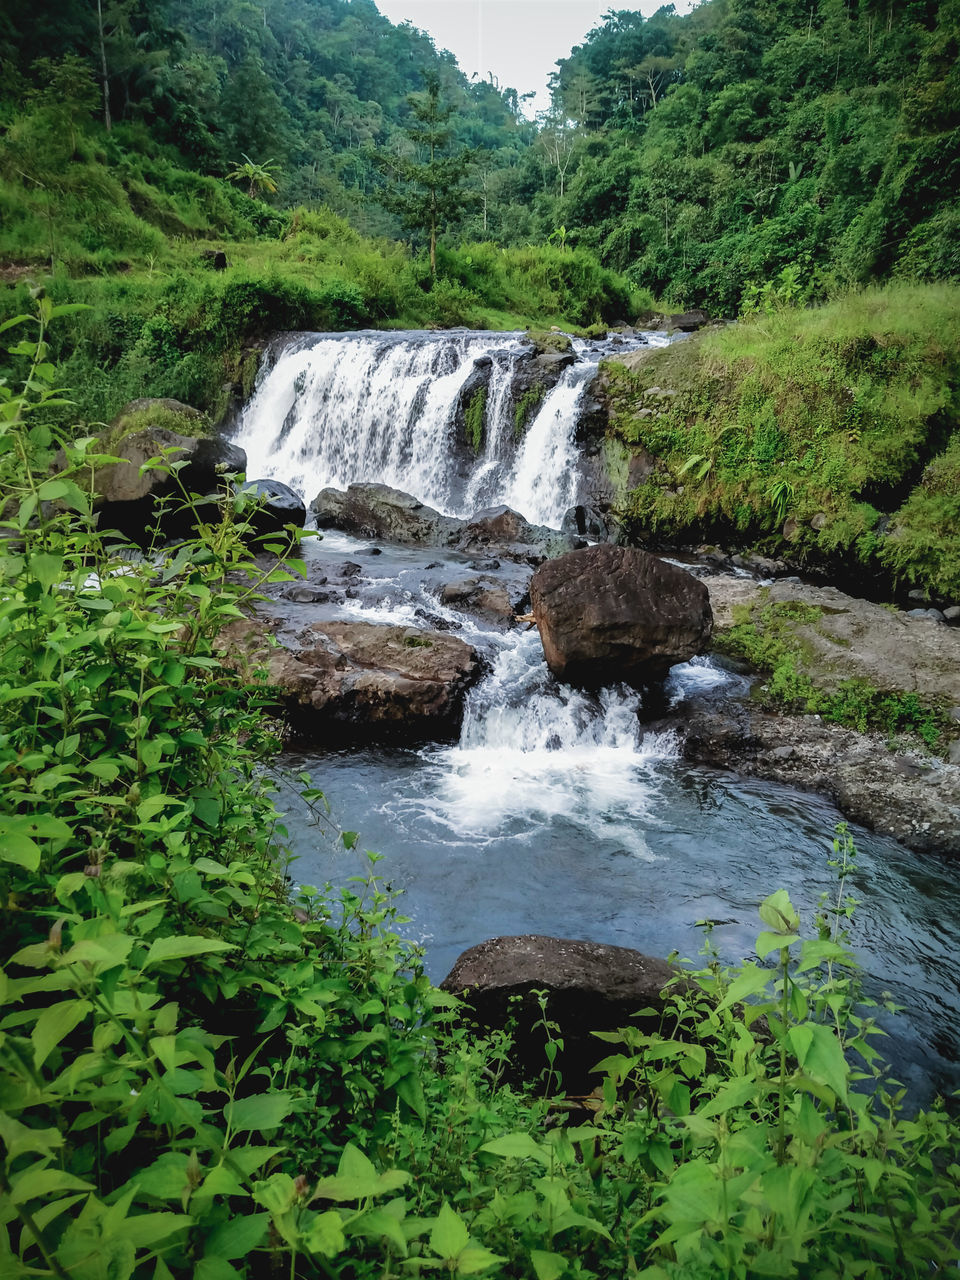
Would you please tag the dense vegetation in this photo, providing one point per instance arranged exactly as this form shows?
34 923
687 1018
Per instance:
202 1076
829 435
712 153
705 155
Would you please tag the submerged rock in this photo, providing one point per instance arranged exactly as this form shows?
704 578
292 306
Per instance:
914 798
361 681
590 987
609 614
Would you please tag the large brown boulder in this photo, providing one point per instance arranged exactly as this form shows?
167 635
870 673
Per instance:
609 614
362 681
590 987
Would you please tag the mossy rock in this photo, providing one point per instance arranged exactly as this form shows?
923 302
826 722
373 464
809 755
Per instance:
156 414
550 341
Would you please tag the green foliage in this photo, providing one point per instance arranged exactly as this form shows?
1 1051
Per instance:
206 1074
170 1018
526 407
834 417
473 419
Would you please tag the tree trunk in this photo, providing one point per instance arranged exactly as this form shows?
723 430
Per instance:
433 250
103 68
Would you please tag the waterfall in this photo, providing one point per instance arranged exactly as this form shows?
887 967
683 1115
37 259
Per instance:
337 409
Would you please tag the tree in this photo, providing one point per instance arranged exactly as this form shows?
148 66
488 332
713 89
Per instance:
259 177
431 195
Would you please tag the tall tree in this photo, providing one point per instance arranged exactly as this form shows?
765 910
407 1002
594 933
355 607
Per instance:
431 193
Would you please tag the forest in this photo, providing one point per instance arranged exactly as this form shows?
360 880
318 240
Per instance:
210 1069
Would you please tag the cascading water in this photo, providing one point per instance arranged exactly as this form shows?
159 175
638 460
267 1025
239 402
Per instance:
554 812
336 409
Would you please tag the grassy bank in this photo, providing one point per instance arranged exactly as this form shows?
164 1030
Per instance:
115 223
770 636
828 435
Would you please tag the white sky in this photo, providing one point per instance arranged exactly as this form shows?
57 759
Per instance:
518 40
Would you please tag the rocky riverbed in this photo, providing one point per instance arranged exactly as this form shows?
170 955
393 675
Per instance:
377 680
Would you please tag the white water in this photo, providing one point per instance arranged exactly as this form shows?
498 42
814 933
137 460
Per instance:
334 410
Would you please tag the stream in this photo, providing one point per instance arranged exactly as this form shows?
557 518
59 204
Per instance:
556 811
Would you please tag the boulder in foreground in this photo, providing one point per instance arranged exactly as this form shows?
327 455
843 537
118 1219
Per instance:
590 987
609 614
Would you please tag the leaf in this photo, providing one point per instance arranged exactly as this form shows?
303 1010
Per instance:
474 1259
174 948
378 1224
50 490
259 1112
450 1236
166 1178
325 1235
146 1229
249 1159
548 1266
777 912
37 1183
214 1268
18 1138
730 1097
752 979
517 1146
820 1055
55 1024
767 942
238 1237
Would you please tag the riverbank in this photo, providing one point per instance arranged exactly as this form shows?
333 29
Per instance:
826 437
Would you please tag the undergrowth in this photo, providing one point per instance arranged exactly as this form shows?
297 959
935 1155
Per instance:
203 1074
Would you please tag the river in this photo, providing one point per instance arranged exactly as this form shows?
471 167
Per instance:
556 811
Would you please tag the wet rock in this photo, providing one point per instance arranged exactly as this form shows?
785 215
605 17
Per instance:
272 506
128 497
350 569
913 798
608 614
484 596
513 537
300 593
590 522
481 566
377 511
360 681
687 321
933 614
952 614
853 639
590 987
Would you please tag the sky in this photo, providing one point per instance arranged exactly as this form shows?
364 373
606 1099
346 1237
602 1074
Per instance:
519 41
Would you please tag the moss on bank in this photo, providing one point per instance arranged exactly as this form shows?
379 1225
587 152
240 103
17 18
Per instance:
765 634
830 434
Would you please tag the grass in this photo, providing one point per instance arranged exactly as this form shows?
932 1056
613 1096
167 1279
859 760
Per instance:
827 434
